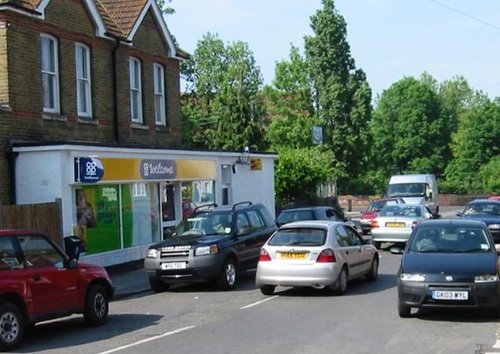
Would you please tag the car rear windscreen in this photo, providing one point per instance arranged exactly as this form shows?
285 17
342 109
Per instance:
299 237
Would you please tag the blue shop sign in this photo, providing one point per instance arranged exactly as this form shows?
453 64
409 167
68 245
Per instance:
88 169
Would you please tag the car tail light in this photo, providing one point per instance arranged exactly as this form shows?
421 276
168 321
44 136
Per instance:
374 224
264 256
326 256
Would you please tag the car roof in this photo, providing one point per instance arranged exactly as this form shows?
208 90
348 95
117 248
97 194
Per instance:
484 201
308 208
451 222
312 223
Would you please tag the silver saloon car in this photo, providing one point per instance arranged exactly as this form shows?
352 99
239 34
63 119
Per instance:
395 222
319 254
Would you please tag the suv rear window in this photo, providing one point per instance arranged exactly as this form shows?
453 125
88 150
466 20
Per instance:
299 237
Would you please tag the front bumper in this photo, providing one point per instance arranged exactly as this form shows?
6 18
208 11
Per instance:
420 294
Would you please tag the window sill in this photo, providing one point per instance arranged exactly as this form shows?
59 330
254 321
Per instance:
55 116
87 120
138 126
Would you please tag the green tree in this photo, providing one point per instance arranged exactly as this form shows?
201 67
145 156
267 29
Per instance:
475 145
164 7
341 94
289 104
222 105
299 171
407 129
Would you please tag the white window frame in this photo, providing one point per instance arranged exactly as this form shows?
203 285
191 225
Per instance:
159 93
83 83
135 90
50 73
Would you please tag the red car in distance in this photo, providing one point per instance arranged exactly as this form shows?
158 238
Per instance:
373 209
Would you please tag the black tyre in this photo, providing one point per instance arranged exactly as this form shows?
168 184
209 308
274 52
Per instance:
372 274
227 278
404 311
267 289
157 285
11 326
96 305
340 286
377 244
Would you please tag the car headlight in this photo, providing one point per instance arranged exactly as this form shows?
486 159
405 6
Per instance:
494 226
152 253
486 278
201 251
412 277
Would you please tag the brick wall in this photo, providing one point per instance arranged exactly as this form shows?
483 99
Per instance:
21 85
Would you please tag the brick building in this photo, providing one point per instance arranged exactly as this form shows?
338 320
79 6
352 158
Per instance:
90 113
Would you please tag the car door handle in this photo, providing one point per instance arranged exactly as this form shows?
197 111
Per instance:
37 277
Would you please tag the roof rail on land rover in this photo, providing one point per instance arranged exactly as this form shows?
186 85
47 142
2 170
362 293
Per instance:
204 206
240 204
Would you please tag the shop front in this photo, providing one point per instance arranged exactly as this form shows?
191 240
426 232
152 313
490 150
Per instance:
119 201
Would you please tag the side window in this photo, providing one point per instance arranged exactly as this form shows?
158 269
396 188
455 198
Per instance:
83 84
256 220
39 252
354 238
50 73
343 238
135 90
9 258
159 92
242 224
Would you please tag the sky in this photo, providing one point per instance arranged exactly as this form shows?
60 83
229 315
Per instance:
389 39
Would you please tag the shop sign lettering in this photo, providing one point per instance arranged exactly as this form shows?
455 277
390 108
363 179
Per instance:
158 169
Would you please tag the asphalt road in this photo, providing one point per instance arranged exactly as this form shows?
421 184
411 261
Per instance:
202 319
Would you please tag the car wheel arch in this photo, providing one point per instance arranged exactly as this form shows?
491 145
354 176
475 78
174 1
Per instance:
16 299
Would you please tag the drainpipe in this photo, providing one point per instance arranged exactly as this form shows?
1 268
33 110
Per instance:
11 160
116 130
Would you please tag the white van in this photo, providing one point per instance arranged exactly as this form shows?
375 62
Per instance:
416 189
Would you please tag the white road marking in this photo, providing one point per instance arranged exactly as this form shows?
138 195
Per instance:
258 302
148 340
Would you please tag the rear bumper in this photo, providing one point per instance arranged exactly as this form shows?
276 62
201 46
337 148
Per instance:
311 275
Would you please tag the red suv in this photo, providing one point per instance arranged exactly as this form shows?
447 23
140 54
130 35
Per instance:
38 282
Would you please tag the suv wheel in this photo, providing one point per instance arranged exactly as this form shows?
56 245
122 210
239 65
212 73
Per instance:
11 326
96 305
157 285
227 278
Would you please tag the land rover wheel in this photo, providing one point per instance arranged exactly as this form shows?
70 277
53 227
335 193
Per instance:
227 278
11 326
157 285
96 305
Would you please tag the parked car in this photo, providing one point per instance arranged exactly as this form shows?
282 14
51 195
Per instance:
486 210
319 254
395 222
450 264
38 282
372 212
315 213
213 243
494 197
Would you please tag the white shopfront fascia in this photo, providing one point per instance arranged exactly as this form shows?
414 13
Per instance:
47 172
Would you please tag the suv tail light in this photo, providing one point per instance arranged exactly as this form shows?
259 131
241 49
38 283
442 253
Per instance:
264 256
374 224
326 256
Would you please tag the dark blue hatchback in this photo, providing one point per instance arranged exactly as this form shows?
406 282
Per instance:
450 264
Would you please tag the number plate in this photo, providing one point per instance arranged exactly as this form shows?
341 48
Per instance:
173 265
293 255
395 224
450 295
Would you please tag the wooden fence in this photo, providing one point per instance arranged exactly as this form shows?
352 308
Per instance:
45 217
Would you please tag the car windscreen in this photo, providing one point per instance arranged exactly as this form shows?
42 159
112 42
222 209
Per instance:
297 215
299 237
482 209
450 240
205 224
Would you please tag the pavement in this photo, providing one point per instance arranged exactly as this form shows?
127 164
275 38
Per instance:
129 279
